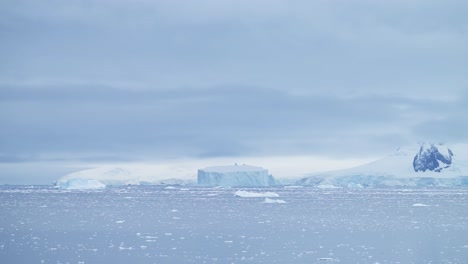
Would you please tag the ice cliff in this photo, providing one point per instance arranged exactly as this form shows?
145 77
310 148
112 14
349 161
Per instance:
237 175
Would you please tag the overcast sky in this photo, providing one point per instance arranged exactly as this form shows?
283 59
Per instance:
113 81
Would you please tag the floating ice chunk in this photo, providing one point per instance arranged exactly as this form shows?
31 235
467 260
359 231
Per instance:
272 201
420 205
80 184
246 194
125 248
120 221
326 259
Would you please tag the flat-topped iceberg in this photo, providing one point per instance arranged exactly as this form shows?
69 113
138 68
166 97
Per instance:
80 184
236 175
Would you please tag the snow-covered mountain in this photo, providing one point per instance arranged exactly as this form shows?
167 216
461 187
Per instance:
432 158
422 165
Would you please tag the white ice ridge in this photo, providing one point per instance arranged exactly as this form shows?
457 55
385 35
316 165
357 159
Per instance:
246 194
237 175
80 184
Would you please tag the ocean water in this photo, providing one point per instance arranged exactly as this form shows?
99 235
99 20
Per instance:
151 224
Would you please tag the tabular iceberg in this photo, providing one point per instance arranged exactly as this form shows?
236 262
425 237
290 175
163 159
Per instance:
237 175
80 184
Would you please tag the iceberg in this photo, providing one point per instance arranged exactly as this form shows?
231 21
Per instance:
237 175
80 184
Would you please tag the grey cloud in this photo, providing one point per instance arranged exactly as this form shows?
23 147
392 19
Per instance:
358 47
449 122
220 121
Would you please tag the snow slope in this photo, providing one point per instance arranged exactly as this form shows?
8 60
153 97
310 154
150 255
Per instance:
120 176
422 165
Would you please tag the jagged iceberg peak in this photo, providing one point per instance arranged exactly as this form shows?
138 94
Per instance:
432 157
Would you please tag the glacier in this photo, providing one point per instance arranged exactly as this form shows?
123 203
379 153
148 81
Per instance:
122 176
425 165
236 175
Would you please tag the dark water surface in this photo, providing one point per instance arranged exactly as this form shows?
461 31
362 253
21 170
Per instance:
210 225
